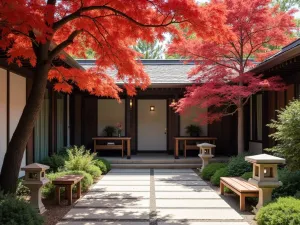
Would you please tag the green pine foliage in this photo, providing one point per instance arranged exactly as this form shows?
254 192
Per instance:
210 169
283 211
149 50
287 134
16 211
247 175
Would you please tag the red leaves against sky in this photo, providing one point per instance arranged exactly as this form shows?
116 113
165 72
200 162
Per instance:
110 28
220 73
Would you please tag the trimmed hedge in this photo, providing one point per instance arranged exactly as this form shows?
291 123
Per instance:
237 166
284 211
49 189
103 164
215 179
16 211
247 175
94 171
290 183
210 169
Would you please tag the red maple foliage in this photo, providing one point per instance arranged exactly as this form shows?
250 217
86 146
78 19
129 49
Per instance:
222 82
38 31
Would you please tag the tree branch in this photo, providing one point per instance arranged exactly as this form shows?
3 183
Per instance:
77 14
64 44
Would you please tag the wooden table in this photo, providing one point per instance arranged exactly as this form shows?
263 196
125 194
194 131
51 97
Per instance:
113 147
67 181
178 139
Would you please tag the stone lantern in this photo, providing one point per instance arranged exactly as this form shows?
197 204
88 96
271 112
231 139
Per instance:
205 153
35 179
265 175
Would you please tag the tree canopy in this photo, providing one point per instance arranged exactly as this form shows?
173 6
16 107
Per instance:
222 81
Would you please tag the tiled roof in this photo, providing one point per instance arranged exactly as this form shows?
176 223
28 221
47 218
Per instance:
159 71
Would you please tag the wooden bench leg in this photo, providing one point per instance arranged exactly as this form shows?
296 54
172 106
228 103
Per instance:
57 194
242 202
222 188
69 194
78 189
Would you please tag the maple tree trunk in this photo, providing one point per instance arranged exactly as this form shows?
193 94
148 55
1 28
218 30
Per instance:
240 143
17 145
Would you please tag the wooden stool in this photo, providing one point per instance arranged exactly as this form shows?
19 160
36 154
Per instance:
67 181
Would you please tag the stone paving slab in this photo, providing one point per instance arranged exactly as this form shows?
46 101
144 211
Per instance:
187 195
197 214
168 171
119 177
183 188
177 177
125 182
117 195
103 223
114 203
191 203
181 182
119 188
199 223
129 171
107 213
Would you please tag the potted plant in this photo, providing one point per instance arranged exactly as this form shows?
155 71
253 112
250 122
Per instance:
109 130
193 130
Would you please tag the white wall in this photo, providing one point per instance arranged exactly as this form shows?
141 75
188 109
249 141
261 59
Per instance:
17 103
189 118
3 114
110 112
152 125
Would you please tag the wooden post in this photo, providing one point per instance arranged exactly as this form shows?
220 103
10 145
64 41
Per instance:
57 194
69 193
78 189
176 149
242 202
222 188
122 148
128 149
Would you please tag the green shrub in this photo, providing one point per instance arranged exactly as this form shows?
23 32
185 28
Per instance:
215 179
55 162
79 158
21 189
284 211
16 211
94 171
237 166
210 169
247 175
290 183
103 164
49 189
287 134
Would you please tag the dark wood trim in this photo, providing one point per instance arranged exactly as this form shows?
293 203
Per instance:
65 127
7 107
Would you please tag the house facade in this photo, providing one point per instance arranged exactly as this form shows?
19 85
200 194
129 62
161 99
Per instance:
147 118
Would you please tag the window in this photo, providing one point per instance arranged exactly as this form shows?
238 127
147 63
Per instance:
41 131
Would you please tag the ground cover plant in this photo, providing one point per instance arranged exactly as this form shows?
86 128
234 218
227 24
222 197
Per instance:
210 169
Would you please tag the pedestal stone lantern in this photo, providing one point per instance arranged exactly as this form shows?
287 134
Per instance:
205 153
35 179
265 175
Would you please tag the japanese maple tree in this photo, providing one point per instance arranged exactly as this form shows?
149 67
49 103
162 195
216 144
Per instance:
38 31
222 82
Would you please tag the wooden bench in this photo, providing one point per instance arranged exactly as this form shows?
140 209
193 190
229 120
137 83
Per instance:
67 181
239 186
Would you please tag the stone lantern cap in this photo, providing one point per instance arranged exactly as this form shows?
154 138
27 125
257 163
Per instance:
35 167
265 159
206 145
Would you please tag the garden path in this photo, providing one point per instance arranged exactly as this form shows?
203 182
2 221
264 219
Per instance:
152 197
